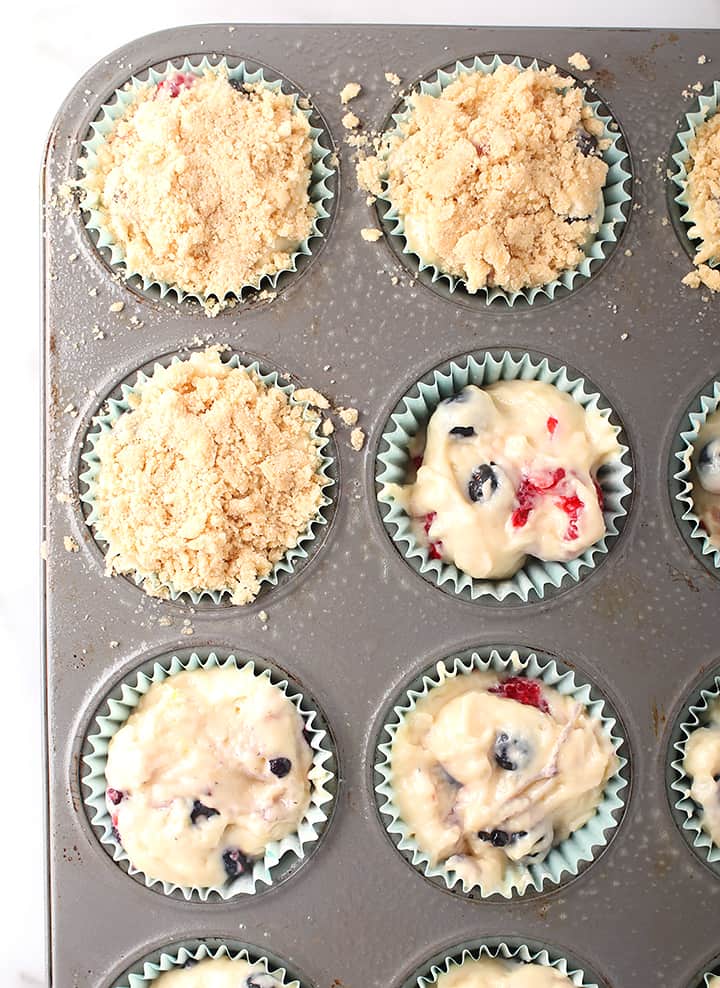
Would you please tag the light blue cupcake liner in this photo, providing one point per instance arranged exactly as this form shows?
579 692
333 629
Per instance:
564 861
503 951
411 416
106 725
615 194
687 812
707 403
319 192
179 956
103 423
707 107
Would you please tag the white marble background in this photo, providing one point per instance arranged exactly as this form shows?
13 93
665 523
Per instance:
46 47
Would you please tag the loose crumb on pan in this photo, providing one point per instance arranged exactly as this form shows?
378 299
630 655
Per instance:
206 189
371 234
701 59
327 428
207 480
499 179
312 397
349 91
357 439
703 275
393 78
579 61
117 306
350 121
70 544
348 416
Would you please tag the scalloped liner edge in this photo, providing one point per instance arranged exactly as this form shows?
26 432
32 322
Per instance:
167 962
505 952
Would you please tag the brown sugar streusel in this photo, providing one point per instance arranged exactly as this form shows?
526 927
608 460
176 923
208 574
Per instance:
208 479
204 182
703 195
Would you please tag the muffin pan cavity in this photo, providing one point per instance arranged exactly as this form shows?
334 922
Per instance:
355 623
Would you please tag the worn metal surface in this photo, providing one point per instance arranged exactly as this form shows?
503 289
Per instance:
357 622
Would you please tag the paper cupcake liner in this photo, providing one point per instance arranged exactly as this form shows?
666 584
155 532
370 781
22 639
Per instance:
690 525
103 423
105 726
707 107
178 956
686 810
430 972
536 578
319 192
564 861
615 194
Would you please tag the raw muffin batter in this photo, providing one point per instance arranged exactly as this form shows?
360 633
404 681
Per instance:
219 973
702 764
490 774
209 769
204 182
489 972
509 471
499 179
705 477
207 480
703 194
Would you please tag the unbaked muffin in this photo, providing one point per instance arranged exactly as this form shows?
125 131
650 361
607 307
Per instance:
210 768
203 182
701 762
498 180
220 972
492 972
703 196
705 477
508 471
490 773
207 480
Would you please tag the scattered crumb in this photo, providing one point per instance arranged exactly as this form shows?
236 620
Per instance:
188 630
312 397
92 292
97 333
702 59
114 644
624 336
117 306
327 427
394 280
165 621
263 615
70 544
349 91
350 121
348 416
579 61
665 221
705 275
698 86
370 234
73 257
357 439
628 253
392 78
70 409
43 549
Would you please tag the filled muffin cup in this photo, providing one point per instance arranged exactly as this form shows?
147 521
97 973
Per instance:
292 559
616 192
684 447
178 956
566 860
319 190
686 812
536 579
281 857
707 108
501 949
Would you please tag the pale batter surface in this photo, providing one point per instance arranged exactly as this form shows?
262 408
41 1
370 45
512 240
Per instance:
499 179
509 471
703 189
204 182
207 480
705 477
702 764
490 774
488 972
209 769
219 973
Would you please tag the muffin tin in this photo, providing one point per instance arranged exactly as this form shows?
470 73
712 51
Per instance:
355 622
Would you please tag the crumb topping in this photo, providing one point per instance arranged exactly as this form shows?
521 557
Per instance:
204 185
703 193
207 480
499 179
371 234
579 61
349 91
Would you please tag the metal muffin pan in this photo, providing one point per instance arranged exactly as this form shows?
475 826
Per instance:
356 622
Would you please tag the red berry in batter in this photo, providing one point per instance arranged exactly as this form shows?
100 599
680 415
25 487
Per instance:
434 548
552 424
174 85
526 691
